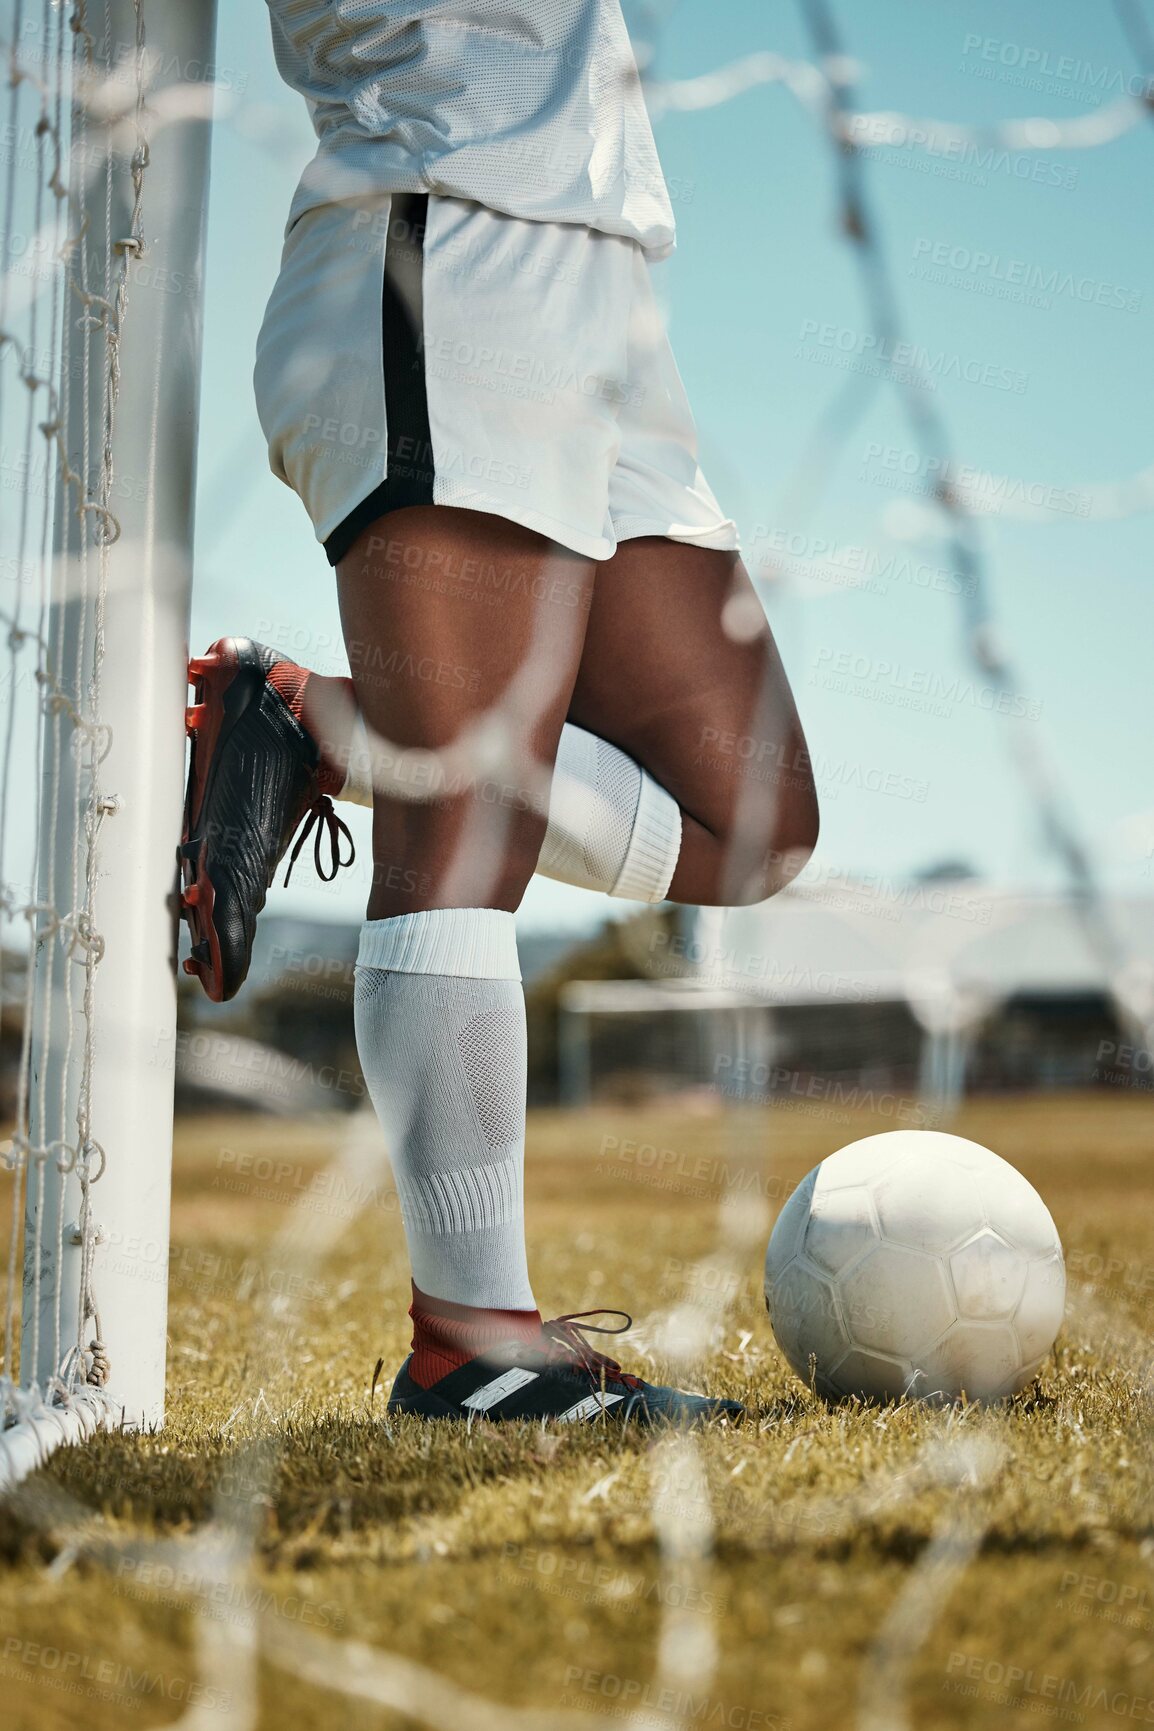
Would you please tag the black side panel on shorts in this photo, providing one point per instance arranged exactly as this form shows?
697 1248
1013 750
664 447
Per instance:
409 446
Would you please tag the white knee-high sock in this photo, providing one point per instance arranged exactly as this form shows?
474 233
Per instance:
440 1026
611 826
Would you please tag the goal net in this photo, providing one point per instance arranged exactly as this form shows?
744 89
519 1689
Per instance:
102 200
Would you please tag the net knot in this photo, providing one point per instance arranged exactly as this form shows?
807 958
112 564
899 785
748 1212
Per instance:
91 1154
66 1156
52 919
15 1153
98 1365
85 940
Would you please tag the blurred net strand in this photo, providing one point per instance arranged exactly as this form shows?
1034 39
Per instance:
882 1701
1135 27
878 129
820 89
223 1554
69 698
1057 829
967 1465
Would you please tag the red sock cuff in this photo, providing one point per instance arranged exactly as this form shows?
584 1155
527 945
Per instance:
447 1335
292 683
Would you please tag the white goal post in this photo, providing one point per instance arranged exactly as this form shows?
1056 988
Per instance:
117 108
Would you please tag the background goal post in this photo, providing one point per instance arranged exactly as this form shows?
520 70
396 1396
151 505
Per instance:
127 86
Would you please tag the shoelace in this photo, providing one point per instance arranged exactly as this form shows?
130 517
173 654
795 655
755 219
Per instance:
567 1334
323 820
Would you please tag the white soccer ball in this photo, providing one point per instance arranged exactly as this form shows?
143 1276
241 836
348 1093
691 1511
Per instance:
915 1264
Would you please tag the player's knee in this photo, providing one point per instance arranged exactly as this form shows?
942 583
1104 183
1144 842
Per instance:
766 849
800 830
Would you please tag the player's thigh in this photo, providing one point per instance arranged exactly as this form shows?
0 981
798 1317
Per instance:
680 670
464 634
450 615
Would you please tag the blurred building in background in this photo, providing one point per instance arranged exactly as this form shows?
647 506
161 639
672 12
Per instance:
838 993
846 991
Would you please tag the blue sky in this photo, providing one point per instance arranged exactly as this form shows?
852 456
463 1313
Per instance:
766 316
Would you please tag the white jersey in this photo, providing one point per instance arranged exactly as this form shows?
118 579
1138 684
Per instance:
531 107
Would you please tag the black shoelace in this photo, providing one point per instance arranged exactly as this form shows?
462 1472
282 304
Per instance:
567 1333
323 821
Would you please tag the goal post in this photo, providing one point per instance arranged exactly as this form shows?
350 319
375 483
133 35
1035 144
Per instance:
101 1010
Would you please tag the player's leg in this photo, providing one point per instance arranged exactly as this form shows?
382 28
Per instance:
463 683
682 773
680 673
472 702
465 701
610 827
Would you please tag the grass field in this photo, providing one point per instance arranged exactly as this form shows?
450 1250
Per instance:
284 1557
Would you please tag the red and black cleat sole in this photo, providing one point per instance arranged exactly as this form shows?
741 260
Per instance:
206 722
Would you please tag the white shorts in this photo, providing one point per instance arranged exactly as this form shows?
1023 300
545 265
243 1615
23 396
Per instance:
420 350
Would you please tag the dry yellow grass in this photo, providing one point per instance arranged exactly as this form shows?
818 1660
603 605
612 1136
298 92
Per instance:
809 1568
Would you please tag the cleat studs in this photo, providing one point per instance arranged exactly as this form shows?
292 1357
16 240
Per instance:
194 717
191 967
191 896
189 849
202 664
202 952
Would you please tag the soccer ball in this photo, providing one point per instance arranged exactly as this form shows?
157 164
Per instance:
915 1264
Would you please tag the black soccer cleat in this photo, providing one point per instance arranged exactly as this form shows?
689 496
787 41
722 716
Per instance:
252 780
563 1378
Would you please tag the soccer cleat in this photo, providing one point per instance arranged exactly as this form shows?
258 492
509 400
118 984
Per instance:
252 782
561 1378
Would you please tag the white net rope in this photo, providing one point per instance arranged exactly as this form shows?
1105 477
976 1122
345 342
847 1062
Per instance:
76 125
